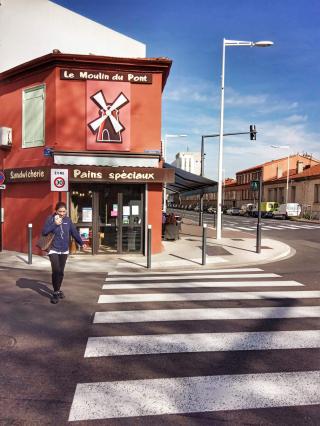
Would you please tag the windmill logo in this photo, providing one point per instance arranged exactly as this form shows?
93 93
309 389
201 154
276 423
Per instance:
107 127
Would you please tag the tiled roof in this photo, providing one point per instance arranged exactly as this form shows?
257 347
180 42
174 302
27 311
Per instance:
310 172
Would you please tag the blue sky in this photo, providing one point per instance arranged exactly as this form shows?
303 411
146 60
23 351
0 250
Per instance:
275 88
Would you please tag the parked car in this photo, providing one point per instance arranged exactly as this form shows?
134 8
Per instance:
234 211
211 210
285 211
246 209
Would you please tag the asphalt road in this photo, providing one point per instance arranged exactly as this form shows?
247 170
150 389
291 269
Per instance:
45 377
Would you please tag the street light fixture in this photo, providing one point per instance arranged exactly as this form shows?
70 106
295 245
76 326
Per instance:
164 149
228 43
288 167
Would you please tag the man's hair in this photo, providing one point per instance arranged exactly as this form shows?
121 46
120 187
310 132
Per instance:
60 204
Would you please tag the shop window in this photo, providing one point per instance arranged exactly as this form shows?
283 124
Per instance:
33 116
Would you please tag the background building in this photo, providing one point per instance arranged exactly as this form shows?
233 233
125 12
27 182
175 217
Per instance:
32 28
188 161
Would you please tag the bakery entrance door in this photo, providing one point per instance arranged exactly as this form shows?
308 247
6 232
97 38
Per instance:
120 222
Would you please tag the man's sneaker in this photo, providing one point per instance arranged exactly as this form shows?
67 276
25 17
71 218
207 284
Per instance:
61 294
55 298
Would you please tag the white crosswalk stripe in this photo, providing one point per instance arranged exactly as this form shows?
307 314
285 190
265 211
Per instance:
132 398
181 277
199 284
182 273
266 226
201 342
206 314
199 393
182 297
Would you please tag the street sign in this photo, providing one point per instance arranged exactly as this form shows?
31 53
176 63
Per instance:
2 186
59 180
2 178
254 185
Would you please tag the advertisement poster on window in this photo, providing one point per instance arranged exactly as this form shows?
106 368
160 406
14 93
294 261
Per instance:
86 214
84 233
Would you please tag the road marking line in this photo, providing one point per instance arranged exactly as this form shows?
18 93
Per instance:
201 342
184 277
197 284
153 315
183 273
151 397
185 297
246 229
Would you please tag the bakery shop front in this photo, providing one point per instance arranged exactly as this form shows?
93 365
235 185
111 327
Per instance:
108 205
97 122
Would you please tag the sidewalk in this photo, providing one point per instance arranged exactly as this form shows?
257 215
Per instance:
235 249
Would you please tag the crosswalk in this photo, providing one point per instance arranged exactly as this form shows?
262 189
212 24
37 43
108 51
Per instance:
251 226
190 313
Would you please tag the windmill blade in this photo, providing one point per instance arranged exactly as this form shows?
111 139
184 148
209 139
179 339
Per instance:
96 123
121 99
115 124
100 100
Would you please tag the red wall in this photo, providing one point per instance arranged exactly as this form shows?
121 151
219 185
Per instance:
11 116
23 204
155 215
71 110
65 130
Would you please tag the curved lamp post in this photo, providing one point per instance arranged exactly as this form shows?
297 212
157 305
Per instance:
228 43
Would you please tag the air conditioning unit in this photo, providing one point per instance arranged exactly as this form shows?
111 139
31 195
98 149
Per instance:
5 137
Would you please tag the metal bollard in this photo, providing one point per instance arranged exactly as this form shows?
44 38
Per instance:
149 242
204 244
30 243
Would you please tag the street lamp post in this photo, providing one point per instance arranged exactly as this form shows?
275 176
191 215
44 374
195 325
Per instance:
228 43
164 148
288 167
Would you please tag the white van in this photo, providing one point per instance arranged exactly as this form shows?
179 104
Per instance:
285 211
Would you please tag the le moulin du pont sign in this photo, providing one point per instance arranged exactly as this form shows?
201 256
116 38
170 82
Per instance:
130 77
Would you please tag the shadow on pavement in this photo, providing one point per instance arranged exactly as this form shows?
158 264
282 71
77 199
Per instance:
37 286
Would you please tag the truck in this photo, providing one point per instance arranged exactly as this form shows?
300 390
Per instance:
285 211
267 208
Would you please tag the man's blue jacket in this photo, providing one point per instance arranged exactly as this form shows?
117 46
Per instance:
61 233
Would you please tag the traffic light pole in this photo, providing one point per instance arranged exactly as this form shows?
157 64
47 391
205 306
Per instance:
258 243
252 134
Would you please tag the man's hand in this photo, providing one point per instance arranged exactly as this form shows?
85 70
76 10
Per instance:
57 220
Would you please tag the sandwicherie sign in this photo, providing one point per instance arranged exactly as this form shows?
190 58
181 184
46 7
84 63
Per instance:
94 174
130 77
27 174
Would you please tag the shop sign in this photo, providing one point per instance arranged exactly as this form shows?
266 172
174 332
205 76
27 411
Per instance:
108 116
27 174
123 77
121 174
59 180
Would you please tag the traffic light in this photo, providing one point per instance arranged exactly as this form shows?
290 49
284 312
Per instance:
253 132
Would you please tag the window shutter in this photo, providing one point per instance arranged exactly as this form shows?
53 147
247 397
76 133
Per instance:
33 116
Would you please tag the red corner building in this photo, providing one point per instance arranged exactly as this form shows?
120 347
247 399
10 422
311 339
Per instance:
86 130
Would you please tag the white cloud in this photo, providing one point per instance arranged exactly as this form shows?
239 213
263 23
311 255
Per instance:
296 118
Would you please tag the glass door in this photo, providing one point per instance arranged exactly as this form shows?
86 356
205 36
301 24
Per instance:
81 214
131 201
108 219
